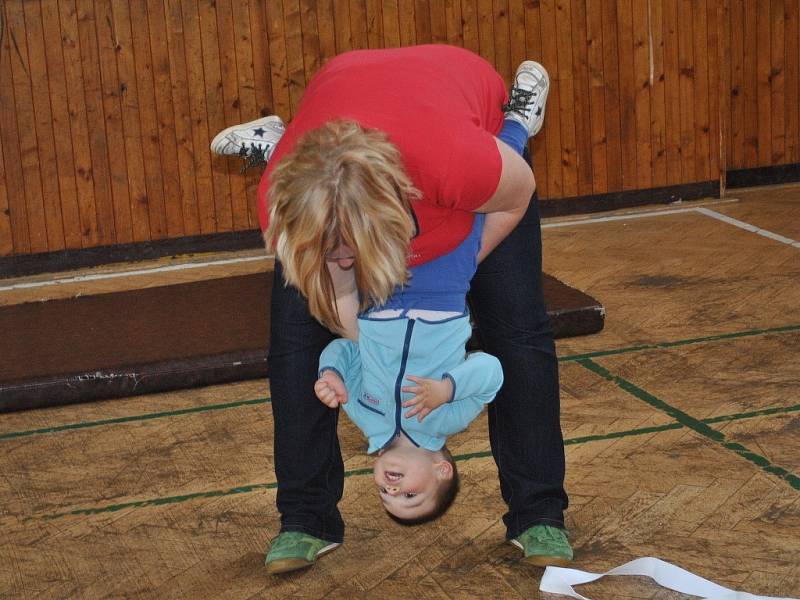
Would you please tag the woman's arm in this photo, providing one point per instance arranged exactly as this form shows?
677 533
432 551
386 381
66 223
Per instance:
510 200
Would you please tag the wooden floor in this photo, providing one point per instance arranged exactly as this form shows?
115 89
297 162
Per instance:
682 425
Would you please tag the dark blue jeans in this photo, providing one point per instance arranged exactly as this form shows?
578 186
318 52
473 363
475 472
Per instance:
524 424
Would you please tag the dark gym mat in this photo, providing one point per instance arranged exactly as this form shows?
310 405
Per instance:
171 337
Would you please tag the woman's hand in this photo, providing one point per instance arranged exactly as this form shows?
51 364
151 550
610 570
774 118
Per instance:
330 389
429 394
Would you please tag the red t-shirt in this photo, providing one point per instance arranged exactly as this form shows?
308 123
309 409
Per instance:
440 105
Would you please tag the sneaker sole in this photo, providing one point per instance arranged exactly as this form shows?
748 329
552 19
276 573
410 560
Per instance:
541 68
286 565
543 560
219 139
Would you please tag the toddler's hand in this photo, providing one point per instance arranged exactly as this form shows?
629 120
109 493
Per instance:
429 394
330 389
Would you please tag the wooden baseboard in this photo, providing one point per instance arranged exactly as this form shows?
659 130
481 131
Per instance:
66 260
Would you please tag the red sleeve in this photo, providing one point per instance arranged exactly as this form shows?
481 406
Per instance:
472 172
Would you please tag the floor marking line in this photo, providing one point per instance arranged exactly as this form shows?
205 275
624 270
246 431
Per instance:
642 215
687 420
136 272
677 343
366 471
748 227
143 417
569 358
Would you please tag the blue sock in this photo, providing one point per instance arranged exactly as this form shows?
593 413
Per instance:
514 134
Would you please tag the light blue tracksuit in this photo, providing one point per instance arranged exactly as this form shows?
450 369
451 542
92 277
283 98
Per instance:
374 370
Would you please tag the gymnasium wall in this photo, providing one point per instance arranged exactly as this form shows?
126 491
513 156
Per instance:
107 107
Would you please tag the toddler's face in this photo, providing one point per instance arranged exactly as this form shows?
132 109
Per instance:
407 481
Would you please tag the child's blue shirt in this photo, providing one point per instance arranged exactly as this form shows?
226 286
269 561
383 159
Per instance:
374 369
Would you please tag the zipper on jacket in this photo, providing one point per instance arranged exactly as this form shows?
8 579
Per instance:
398 399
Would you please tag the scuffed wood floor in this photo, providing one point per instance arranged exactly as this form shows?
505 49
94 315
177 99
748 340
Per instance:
682 425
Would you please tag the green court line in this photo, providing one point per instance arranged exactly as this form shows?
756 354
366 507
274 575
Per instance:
687 420
144 417
570 358
676 343
367 471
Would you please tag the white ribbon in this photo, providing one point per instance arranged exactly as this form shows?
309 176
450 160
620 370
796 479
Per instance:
559 580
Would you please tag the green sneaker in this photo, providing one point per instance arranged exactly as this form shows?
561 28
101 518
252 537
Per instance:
293 550
544 545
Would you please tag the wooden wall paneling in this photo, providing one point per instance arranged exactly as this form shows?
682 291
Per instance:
327 33
244 208
715 75
438 18
612 95
502 40
279 74
792 80
469 18
374 24
6 234
261 62
658 124
777 82
552 126
567 100
751 122
215 121
722 9
581 90
233 54
358 24
455 28
312 55
341 26
764 95
293 28
110 85
486 30
259 48
390 18
179 103
165 142
533 47
407 20
100 170
627 93
67 196
687 84
235 213
597 92
736 116
26 128
701 92
516 22
198 110
130 112
642 61
43 126
148 120
672 93
422 21
12 175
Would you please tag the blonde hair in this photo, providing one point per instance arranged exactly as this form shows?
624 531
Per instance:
341 183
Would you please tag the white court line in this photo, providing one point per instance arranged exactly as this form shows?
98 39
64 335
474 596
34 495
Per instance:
96 276
625 217
747 226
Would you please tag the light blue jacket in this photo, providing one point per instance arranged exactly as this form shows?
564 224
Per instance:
374 370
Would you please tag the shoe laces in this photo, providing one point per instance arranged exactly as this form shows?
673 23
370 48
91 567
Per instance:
252 156
520 101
